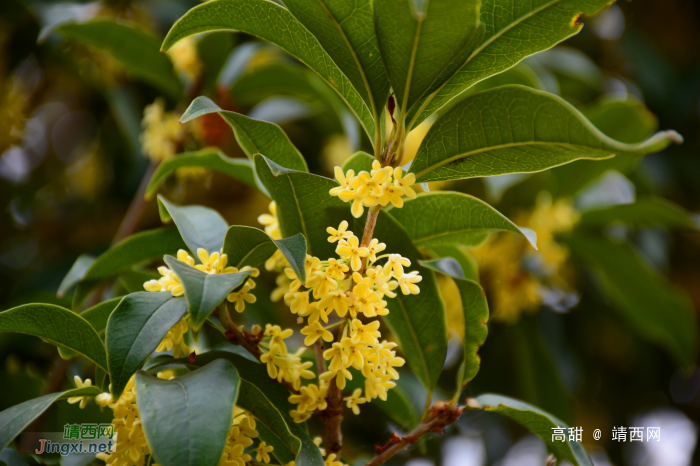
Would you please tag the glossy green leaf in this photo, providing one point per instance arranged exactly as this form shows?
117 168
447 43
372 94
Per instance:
538 422
655 309
133 47
200 227
644 212
304 205
136 249
254 136
424 43
513 31
515 129
358 161
247 246
476 315
204 291
211 159
15 419
75 274
135 329
97 317
268 402
345 30
451 219
58 326
204 401
417 321
271 22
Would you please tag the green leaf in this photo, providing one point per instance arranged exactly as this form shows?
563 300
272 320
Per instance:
10 457
136 249
515 129
75 274
513 31
254 136
303 204
644 212
135 329
271 22
417 321
133 47
268 402
476 315
15 419
98 315
656 310
358 161
247 246
133 280
451 219
58 326
345 30
204 291
470 268
211 159
203 400
423 43
200 227
538 422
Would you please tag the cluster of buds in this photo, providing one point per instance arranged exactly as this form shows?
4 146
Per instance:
379 187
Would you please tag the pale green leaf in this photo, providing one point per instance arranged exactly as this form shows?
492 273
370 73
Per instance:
203 401
132 46
211 159
538 422
451 219
423 43
200 227
15 419
515 129
358 162
254 136
135 329
513 31
58 326
204 291
656 310
271 22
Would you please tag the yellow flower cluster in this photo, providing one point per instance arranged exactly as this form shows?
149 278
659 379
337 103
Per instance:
240 438
281 364
513 288
185 60
378 188
162 132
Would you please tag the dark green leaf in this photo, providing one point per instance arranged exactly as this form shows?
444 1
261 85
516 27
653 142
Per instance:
513 31
451 219
135 249
247 246
204 291
10 457
476 315
135 329
15 419
254 136
655 309
58 326
271 22
359 161
75 274
211 159
424 43
538 422
515 129
345 29
203 401
644 212
134 47
97 316
200 227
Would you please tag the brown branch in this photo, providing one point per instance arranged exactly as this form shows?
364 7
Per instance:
441 416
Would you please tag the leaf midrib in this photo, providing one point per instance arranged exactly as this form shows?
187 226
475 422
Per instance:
505 146
414 336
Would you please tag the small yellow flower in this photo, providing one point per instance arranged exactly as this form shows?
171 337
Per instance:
318 441
406 282
80 399
353 351
341 233
396 263
374 248
314 332
337 356
354 400
352 251
405 183
261 453
340 376
242 296
345 180
271 223
331 461
365 333
299 416
273 362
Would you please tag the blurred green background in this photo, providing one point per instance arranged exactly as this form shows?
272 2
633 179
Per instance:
71 160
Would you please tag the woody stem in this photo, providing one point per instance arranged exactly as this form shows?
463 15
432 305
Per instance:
332 416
